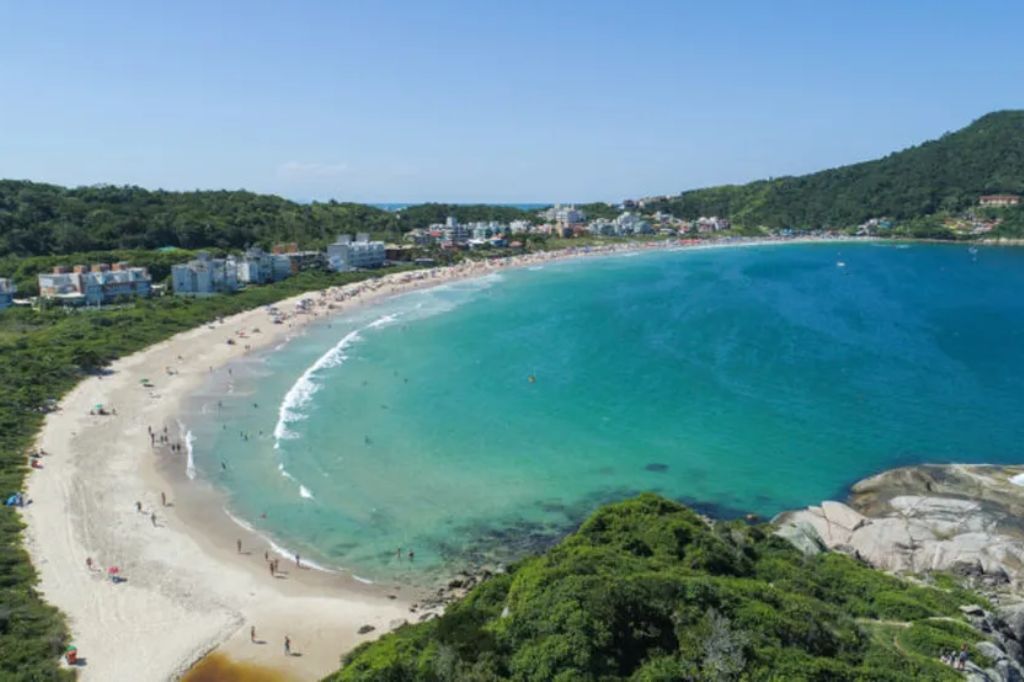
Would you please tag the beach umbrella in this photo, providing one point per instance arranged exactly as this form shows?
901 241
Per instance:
71 647
98 406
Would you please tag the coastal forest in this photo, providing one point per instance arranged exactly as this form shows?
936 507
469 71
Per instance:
647 590
39 219
946 175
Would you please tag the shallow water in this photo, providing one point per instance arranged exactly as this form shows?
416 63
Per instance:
750 379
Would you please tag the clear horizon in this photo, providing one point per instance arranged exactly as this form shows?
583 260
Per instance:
462 103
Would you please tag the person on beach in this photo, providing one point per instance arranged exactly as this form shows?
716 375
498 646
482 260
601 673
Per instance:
287 646
152 517
88 562
298 561
163 499
271 565
266 555
252 634
412 555
238 545
138 506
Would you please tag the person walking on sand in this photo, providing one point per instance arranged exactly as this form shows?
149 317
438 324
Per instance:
163 499
298 561
238 545
88 562
152 517
252 634
138 506
287 646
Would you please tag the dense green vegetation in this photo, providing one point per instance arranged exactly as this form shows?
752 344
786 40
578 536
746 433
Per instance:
647 590
39 219
948 174
44 354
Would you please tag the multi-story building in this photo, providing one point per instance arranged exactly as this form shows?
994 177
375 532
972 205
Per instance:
259 267
7 290
101 283
631 223
345 254
999 200
565 215
205 276
298 260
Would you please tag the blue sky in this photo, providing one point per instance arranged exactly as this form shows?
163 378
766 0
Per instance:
487 101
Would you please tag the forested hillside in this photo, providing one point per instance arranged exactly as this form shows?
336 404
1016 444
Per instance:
38 219
947 174
647 590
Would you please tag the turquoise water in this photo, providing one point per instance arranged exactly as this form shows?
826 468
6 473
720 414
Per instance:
750 379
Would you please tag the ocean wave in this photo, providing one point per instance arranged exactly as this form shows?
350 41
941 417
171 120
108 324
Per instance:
190 462
283 552
304 492
303 389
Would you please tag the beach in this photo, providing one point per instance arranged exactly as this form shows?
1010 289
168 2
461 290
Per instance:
184 588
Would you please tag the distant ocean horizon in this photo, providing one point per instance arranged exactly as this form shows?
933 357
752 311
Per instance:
397 206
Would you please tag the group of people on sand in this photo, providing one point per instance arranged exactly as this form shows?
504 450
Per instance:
954 658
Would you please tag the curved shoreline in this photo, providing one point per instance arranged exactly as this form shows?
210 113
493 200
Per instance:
186 592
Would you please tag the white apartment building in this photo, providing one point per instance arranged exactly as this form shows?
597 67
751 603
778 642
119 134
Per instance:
345 254
205 276
259 267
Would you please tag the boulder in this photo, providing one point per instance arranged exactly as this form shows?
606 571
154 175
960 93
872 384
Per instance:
365 629
803 536
838 514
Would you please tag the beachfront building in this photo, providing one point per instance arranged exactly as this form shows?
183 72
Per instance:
296 260
564 215
205 276
450 233
101 283
519 226
1000 200
256 266
7 290
345 254
712 224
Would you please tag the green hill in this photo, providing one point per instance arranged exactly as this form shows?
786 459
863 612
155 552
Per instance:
947 174
39 219
647 590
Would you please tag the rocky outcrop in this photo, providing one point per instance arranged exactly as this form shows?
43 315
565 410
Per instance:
965 519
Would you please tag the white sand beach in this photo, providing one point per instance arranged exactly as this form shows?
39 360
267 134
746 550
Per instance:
187 590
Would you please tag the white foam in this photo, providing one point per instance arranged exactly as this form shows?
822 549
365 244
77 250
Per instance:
365 581
1017 480
304 492
190 462
278 549
303 389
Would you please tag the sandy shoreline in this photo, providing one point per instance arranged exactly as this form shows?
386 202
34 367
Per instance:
186 590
